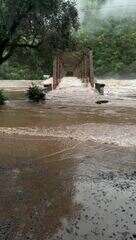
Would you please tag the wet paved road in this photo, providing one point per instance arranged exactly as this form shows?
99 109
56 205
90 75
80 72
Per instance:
68 171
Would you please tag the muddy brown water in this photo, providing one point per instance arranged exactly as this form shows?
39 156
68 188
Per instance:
68 166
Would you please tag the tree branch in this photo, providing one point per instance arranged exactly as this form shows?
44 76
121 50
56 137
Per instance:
8 55
27 45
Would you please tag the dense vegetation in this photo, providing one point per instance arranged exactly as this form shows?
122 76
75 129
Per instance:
3 97
27 53
31 31
35 93
112 38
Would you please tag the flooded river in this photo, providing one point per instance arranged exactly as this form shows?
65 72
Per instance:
68 166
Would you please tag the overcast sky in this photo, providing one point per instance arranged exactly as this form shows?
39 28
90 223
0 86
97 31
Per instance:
113 7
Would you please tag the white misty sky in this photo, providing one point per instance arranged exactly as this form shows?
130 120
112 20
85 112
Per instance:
119 7
111 2
121 2
112 7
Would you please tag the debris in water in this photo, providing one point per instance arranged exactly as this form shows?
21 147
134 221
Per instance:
102 101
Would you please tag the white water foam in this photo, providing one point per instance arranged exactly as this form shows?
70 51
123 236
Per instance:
124 89
72 91
121 135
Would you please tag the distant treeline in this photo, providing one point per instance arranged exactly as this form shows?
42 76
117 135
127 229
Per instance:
112 38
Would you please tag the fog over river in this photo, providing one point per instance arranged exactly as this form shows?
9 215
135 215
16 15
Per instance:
68 165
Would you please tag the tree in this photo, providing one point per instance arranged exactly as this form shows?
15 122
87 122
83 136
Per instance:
32 23
111 37
114 47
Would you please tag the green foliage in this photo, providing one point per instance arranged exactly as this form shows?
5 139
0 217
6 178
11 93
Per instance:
114 46
15 71
28 65
31 32
117 44
30 23
35 93
3 97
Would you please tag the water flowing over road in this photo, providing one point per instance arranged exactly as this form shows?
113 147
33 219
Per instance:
68 166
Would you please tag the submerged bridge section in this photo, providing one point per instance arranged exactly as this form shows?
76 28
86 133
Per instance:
75 64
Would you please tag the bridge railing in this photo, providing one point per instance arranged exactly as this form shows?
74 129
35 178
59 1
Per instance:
82 69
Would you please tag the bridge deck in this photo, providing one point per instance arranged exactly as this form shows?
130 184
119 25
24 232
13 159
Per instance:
78 64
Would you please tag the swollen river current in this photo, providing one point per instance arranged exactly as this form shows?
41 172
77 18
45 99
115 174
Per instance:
68 165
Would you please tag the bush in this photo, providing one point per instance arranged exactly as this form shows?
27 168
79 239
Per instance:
3 98
35 93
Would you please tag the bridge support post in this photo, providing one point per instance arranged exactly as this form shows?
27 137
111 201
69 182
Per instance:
83 70
88 68
57 71
91 69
